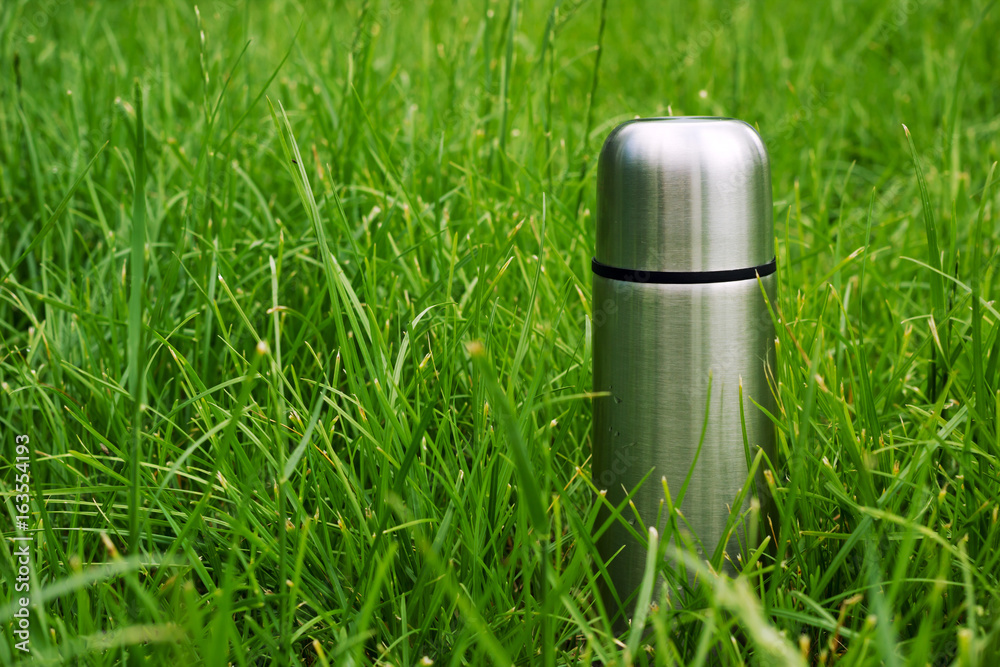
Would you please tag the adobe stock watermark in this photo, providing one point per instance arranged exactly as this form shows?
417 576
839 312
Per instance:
728 356
898 18
371 24
221 8
621 462
724 360
92 138
21 587
688 50
41 13
37 18
887 27
775 134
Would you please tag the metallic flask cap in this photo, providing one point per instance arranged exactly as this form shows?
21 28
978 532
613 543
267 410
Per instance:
684 194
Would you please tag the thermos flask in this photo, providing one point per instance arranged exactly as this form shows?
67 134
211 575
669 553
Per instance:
681 328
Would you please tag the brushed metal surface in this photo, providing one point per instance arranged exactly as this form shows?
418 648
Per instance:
684 194
654 348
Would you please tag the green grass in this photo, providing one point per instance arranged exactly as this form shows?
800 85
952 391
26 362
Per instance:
295 302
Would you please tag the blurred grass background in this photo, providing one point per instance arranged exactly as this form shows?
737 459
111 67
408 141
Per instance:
302 345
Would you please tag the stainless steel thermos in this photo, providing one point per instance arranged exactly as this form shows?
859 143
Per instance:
684 230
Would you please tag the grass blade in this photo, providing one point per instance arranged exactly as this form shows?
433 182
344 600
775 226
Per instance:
527 479
933 259
645 595
136 351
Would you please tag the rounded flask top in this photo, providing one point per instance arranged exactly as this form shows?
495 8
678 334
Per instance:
684 193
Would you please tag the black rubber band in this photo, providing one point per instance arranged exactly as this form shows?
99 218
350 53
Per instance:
682 277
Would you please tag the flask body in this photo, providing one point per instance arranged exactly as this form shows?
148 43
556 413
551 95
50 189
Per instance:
674 359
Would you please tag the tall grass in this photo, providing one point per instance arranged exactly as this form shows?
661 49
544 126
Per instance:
295 308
